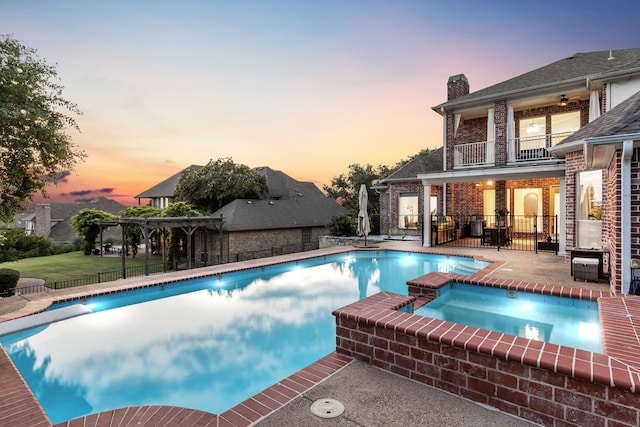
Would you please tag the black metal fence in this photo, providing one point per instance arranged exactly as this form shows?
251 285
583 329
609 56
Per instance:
141 270
515 232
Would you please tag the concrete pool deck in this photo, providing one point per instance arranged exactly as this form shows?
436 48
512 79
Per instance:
371 396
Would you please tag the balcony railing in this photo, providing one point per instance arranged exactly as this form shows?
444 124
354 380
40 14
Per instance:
533 148
474 154
525 149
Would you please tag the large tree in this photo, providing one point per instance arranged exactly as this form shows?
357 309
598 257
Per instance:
345 188
86 225
35 148
218 183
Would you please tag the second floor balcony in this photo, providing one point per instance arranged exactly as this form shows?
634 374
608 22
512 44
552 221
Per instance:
525 149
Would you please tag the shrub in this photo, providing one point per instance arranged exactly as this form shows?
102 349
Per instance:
342 225
18 245
8 281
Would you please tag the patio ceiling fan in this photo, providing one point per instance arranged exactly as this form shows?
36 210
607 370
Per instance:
564 100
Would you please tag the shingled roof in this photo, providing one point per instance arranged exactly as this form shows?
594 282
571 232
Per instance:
305 211
166 188
623 119
61 213
418 165
572 69
291 204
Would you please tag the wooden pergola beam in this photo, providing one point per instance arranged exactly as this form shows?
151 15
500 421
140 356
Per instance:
148 224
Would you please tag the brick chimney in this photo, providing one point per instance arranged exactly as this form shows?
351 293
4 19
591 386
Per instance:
43 220
457 86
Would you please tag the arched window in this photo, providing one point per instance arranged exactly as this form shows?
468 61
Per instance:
531 204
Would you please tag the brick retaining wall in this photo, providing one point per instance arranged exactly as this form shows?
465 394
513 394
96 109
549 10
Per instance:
541 382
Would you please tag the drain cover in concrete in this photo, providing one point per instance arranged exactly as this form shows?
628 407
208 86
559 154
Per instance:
327 408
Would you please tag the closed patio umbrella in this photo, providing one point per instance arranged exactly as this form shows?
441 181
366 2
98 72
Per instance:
363 218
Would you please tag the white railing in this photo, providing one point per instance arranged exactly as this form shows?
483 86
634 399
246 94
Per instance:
474 154
530 148
525 149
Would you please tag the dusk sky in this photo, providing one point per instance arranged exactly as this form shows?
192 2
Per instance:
305 87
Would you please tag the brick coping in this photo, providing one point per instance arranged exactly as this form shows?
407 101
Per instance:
20 408
619 367
31 414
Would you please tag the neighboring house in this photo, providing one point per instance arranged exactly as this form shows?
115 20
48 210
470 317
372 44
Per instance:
53 220
161 195
291 219
502 151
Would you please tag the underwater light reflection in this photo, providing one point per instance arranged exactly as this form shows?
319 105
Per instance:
588 330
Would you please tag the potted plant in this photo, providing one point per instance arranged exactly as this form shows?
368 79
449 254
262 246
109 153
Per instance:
501 214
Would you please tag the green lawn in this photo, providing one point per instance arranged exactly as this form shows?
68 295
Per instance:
69 266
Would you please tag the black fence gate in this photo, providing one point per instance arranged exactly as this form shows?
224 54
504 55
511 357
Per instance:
515 232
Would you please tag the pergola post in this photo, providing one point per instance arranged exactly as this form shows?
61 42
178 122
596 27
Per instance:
122 252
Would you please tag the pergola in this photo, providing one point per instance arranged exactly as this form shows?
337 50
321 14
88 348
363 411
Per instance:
149 225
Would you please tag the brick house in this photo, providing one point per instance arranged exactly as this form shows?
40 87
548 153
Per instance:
402 196
500 154
291 219
53 220
602 158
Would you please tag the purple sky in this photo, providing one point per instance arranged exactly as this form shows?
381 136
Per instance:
303 87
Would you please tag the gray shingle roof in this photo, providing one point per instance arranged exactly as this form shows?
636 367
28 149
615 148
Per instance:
166 188
282 186
305 211
420 164
61 213
291 203
623 119
592 65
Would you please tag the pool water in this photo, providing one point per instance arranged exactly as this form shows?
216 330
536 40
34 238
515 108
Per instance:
208 343
564 321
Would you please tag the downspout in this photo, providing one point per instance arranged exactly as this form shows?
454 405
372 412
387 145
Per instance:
426 220
625 212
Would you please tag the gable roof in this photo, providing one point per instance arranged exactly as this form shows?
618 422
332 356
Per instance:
166 188
61 213
291 204
419 164
282 186
575 68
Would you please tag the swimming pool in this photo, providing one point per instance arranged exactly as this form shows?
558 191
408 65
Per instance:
206 343
564 321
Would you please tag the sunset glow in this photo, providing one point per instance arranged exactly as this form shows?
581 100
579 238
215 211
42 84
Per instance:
304 87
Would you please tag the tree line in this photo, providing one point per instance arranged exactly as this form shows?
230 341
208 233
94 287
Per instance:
36 150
